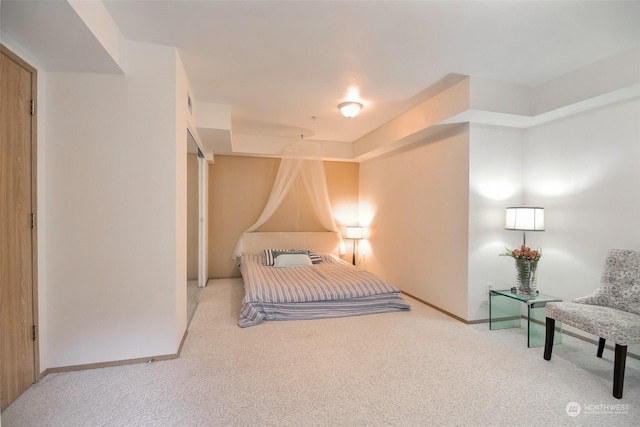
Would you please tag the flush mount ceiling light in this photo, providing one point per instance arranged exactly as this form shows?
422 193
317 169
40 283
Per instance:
350 109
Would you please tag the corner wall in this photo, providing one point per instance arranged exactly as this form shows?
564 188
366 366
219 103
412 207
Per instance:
419 202
495 182
110 201
585 171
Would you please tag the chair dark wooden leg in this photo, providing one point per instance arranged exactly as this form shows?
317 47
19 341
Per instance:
601 346
548 342
618 370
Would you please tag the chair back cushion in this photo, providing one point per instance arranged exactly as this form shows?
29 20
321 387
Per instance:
620 282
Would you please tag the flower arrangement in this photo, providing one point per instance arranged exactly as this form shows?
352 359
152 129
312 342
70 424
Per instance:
526 265
524 252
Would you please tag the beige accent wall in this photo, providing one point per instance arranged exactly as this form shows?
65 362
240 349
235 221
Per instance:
239 187
192 217
419 197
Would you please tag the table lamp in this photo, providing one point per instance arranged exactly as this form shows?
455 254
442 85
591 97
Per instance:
356 233
524 218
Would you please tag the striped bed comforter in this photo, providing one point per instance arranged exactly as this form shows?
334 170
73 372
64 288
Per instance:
331 288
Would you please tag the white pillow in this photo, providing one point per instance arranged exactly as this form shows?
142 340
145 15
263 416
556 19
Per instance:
292 260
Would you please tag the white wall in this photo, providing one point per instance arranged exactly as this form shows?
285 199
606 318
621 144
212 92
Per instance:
110 179
418 197
585 171
495 182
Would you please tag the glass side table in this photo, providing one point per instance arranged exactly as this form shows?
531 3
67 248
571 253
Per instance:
505 312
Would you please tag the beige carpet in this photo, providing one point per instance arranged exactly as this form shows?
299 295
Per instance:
413 368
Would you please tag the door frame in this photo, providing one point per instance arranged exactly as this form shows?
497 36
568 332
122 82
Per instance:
203 211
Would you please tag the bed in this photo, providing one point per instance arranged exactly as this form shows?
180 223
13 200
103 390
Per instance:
323 288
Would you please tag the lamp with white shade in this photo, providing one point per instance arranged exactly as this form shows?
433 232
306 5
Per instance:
524 218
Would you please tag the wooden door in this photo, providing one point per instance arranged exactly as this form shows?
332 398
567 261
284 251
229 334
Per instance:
18 344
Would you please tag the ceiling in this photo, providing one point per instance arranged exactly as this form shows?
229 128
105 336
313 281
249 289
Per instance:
283 66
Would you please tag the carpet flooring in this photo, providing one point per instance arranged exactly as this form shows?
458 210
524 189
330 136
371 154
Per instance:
414 368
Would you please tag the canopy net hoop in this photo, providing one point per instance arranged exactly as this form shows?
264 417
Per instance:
299 159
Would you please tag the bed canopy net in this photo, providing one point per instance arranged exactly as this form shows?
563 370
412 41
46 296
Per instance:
300 160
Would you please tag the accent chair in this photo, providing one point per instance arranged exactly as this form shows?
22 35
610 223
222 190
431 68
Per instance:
611 312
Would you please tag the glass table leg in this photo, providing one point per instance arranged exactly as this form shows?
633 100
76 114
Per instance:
504 313
536 327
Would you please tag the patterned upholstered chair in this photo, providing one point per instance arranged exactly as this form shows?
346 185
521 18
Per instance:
612 312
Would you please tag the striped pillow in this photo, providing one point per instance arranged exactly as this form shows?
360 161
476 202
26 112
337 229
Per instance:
315 258
272 254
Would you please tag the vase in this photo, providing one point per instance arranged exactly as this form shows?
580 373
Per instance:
526 276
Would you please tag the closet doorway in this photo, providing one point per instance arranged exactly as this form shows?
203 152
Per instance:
196 269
